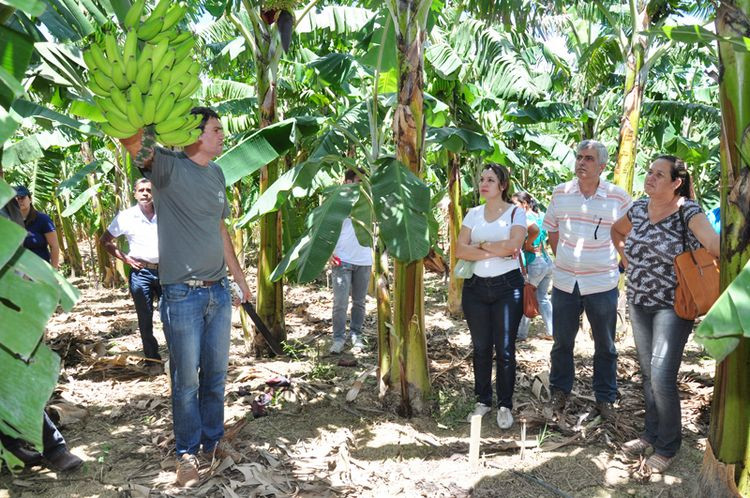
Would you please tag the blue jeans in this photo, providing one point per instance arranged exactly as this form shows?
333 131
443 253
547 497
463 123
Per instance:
349 279
144 287
540 275
197 323
660 337
601 310
493 307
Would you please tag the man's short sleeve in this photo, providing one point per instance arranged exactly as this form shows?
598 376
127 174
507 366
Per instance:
161 167
550 217
226 211
114 228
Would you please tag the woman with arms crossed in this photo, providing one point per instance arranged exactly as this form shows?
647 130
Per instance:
491 235
648 238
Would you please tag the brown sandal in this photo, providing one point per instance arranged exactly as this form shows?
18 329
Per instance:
636 447
658 463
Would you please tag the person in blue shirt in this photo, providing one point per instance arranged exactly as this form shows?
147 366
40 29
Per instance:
40 231
539 264
714 217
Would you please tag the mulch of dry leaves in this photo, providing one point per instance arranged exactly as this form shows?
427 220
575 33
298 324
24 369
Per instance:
329 434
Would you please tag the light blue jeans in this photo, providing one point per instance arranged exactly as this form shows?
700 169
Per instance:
197 322
349 279
660 337
540 275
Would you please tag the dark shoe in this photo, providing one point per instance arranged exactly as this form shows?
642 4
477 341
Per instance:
558 400
29 457
154 369
606 410
187 471
64 461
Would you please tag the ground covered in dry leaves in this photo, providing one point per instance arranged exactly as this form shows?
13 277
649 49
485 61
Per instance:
315 442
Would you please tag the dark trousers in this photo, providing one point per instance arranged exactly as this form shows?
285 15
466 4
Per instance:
601 310
145 289
493 307
52 441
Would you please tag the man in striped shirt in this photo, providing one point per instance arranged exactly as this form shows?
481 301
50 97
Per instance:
578 221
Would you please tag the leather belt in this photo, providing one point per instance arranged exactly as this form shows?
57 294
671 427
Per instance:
150 266
201 283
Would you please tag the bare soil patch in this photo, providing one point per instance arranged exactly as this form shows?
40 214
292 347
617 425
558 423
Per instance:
313 442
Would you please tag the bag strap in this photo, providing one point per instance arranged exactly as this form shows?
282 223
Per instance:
685 247
520 251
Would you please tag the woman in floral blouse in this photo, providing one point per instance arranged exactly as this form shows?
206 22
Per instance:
648 238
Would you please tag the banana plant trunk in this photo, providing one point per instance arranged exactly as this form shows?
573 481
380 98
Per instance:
265 42
455 217
409 349
105 267
635 82
71 254
385 318
726 463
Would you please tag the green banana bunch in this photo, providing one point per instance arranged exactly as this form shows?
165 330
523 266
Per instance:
148 76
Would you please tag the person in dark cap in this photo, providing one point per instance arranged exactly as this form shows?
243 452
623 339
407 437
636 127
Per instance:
55 453
40 231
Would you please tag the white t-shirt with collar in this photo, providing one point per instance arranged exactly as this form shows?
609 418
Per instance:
140 232
494 231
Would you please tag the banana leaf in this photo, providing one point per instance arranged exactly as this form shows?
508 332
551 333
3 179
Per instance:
21 408
30 7
28 109
444 60
15 53
312 251
24 151
260 148
80 201
337 18
8 124
402 202
728 320
457 140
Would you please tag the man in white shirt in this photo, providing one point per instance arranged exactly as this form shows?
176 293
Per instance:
351 266
138 225
578 221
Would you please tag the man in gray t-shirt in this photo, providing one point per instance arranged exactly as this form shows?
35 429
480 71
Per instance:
194 252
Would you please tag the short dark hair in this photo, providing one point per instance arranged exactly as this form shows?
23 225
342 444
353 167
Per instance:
503 177
207 114
678 169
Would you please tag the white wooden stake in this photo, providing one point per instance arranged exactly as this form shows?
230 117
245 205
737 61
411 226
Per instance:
476 434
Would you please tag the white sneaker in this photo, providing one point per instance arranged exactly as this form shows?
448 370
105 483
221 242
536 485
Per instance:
479 409
504 418
358 343
337 346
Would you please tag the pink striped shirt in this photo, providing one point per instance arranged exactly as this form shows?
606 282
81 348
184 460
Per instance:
585 253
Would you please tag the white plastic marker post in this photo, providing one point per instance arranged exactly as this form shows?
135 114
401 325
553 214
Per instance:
476 433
